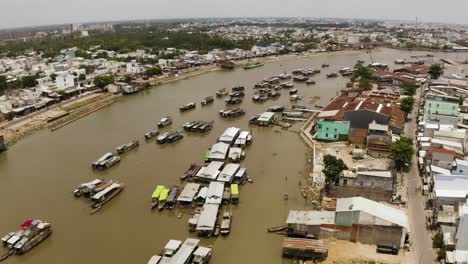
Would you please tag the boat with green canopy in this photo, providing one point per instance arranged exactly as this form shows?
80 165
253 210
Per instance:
163 198
155 196
234 193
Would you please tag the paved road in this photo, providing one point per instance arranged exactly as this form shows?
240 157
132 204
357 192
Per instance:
420 237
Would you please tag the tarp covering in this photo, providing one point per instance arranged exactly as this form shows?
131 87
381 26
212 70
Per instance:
26 223
163 195
234 189
157 191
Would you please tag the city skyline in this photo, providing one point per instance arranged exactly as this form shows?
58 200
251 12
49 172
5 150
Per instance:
64 12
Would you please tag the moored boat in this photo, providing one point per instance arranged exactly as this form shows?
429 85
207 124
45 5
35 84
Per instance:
187 107
207 100
221 92
252 65
32 233
165 121
151 134
104 196
106 161
226 223
155 196
127 147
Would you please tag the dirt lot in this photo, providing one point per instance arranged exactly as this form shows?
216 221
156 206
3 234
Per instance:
344 151
345 252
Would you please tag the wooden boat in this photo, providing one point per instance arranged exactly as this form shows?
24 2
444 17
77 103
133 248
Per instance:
217 230
104 196
171 200
309 82
332 75
325 65
277 228
293 91
165 121
163 198
226 223
233 100
221 92
151 134
187 107
191 171
127 147
252 65
155 196
238 88
207 100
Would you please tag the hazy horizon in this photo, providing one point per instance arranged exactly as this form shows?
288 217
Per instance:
52 12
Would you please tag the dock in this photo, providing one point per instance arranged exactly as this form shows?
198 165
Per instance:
305 248
83 114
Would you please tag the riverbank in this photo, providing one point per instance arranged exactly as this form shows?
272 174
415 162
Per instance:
37 121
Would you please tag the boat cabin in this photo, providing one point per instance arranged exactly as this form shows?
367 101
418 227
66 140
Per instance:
265 119
219 152
228 172
201 255
240 175
210 172
215 193
234 193
187 195
207 221
171 247
201 196
104 194
229 136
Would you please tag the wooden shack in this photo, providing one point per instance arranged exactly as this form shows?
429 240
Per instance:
300 248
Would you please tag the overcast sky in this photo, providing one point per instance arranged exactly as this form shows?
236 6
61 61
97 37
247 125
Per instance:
15 13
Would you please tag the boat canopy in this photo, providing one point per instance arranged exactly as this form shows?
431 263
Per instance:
234 189
164 193
102 193
157 191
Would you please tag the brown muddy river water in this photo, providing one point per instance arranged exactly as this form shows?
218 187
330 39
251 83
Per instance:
39 174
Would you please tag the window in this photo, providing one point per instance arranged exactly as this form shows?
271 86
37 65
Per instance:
326 135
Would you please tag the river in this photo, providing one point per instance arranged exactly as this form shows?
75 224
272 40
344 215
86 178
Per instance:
39 174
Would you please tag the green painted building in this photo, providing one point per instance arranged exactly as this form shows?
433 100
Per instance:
440 105
332 130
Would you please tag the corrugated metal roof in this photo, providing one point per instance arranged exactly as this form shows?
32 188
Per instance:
379 210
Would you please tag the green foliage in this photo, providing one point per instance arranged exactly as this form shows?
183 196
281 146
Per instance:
28 81
128 40
363 73
402 152
3 84
103 80
438 240
365 83
128 79
441 254
333 168
153 71
408 88
407 104
89 68
53 76
435 71
81 77
461 99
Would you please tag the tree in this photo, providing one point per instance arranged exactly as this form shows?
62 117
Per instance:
28 81
103 80
435 71
402 152
333 168
3 84
153 71
128 78
53 76
363 73
461 100
81 77
365 83
408 88
89 68
407 104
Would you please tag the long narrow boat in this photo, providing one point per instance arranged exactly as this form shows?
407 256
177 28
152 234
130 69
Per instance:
155 196
104 196
163 198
